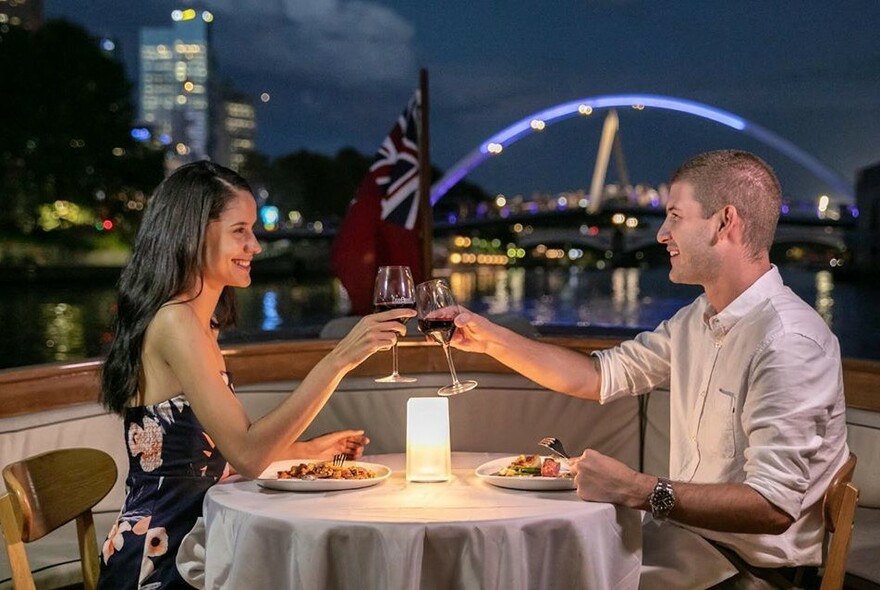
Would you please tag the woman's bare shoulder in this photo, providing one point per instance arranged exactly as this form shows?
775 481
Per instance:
174 323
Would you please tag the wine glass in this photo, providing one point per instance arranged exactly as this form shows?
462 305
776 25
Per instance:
437 310
394 290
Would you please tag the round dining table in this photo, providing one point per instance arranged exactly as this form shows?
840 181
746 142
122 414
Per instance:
461 533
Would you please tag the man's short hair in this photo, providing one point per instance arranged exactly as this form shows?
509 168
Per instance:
741 179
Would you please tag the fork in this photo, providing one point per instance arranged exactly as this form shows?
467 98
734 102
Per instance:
555 445
338 460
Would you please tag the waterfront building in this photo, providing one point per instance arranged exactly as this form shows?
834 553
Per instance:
868 222
27 14
235 130
175 84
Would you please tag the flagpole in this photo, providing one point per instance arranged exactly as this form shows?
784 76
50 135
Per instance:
425 212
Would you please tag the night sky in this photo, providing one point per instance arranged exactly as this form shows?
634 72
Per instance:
340 71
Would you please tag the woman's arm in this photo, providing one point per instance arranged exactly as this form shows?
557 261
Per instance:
192 354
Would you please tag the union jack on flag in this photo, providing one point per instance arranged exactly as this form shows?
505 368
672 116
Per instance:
395 170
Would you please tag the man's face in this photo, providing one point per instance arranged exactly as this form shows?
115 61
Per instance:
689 237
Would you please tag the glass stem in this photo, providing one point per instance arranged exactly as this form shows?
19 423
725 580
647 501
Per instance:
451 366
394 358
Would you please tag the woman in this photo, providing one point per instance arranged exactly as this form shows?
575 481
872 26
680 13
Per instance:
166 375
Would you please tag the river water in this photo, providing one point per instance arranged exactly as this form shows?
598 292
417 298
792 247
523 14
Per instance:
47 322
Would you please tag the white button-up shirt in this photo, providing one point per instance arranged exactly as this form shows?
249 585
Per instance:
756 397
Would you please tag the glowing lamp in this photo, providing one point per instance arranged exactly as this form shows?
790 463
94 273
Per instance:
428 453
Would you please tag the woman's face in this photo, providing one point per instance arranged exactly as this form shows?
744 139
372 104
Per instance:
230 244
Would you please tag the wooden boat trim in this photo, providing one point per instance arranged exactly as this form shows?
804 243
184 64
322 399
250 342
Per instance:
53 386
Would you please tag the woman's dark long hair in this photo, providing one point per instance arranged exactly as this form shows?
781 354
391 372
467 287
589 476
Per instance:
167 260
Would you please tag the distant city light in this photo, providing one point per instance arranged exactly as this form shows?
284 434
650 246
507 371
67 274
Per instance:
265 97
183 15
585 109
494 148
108 44
107 225
141 134
269 216
165 139
537 125
207 17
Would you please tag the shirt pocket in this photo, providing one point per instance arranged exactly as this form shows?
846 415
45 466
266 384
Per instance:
717 427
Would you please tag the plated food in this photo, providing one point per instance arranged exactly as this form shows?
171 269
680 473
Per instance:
532 466
315 475
526 472
325 470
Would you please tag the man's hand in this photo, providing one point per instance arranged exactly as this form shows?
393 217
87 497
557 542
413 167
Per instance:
472 332
600 478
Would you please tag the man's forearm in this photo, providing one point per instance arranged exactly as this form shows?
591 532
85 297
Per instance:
724 507
554 367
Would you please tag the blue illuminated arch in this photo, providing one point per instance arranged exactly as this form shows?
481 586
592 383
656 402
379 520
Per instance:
522 128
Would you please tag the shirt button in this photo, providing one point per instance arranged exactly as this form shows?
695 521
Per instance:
703 393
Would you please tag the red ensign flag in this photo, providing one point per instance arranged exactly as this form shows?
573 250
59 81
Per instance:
381 227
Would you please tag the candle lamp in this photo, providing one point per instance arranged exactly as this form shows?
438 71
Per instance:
428 452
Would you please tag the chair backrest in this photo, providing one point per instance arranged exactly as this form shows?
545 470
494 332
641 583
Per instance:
839 510
49 490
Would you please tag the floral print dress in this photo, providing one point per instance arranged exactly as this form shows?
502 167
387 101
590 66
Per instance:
172 463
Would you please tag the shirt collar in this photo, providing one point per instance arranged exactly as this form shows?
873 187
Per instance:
722 322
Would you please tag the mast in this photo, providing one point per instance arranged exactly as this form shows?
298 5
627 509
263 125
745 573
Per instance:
425 212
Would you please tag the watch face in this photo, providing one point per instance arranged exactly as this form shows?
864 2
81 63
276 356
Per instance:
662 499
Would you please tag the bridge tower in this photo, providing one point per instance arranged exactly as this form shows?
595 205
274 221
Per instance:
868 223
609 144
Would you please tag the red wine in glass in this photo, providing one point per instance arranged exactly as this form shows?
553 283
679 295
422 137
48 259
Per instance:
379 307
440 329
394 290
437 310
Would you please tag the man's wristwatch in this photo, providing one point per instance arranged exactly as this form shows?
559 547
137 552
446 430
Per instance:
662 498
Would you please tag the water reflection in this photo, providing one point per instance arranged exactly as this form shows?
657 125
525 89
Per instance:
825 296
43 323
63 330
271 317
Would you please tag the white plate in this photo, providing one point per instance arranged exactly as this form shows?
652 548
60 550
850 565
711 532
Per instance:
488 472
269 477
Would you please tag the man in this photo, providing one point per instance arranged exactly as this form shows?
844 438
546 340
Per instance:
756 391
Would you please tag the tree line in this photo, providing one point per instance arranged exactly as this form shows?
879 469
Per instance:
66 115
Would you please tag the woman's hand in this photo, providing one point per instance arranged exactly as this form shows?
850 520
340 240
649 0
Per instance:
372 333
350 443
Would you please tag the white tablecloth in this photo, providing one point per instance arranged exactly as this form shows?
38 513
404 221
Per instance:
463 533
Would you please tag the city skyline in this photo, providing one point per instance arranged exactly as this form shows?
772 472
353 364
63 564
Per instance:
338 73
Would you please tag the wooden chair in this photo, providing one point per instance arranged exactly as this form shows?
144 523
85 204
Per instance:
839 509
47 491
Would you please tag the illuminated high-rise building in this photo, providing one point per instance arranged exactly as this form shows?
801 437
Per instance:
235 130
174 86
27 14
